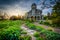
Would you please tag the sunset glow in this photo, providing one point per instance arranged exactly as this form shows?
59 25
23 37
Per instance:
20 7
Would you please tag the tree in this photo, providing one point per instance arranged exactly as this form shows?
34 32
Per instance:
56 14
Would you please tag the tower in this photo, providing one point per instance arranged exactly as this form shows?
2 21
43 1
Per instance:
34 14
33 8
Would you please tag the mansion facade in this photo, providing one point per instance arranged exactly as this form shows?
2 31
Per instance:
34 13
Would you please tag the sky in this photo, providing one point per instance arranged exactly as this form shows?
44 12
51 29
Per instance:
15 7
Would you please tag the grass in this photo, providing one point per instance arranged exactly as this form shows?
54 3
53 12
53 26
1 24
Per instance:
36 34
39 38
49 23
50 29
49 35
10 30
26 37
7 23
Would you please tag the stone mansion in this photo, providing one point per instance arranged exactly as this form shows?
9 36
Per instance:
34 13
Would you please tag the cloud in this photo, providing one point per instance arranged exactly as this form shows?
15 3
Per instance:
47 10
22 6
7 2
25 3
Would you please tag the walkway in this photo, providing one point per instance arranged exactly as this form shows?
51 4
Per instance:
46 27
29 31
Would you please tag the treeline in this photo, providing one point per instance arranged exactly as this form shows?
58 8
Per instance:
12 17
55 15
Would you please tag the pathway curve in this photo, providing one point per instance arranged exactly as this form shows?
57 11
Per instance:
46 27
29 31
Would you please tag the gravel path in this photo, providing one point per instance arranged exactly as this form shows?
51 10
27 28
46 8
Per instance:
29 31
46 27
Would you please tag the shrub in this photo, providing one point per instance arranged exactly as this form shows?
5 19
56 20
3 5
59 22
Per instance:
10 33
39 28
27 37
39 38
10 30
37 34
13 18
23 32
31 26
56 22
46 23
50 35
4 25
50 29
41 22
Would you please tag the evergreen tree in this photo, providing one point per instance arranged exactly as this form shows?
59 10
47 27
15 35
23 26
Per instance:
56 14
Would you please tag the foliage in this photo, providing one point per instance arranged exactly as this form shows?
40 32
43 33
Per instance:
56 14
23 32
45 23
10 33
27 37
41 22
15 18
50 29
45 17
10 30
56 22
50 35
37 34
39 38
31 26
